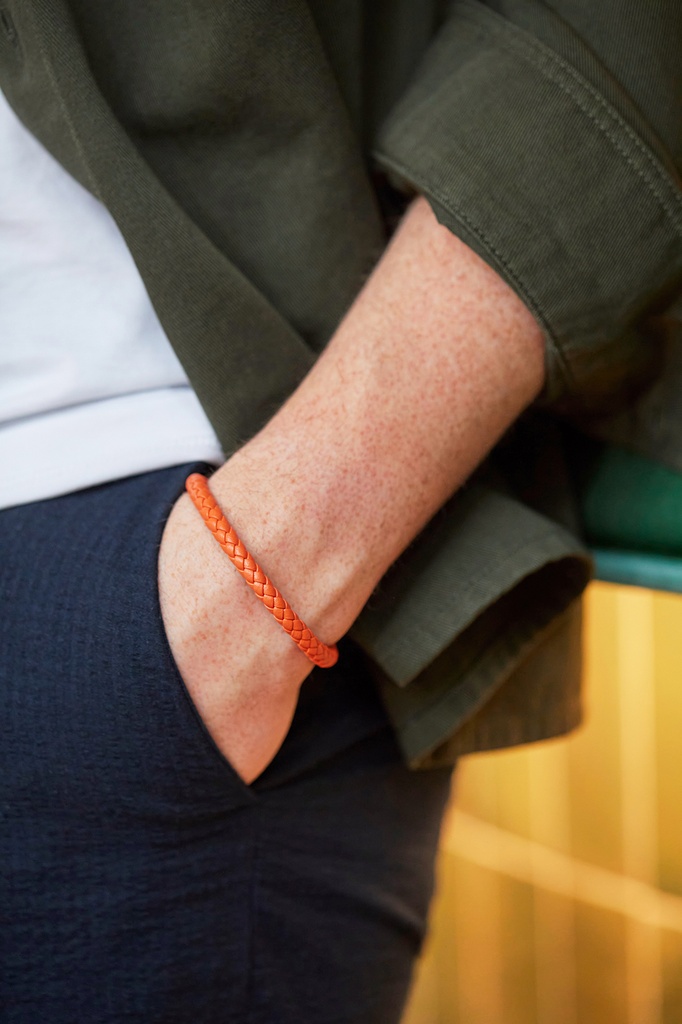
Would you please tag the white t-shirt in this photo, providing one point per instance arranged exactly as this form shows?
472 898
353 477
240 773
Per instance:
90 388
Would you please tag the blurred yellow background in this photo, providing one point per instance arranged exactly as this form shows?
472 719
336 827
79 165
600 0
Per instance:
559 879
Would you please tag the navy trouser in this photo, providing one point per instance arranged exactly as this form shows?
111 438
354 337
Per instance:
141 879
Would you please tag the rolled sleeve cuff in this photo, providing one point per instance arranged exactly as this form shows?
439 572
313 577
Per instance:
459 612
522 157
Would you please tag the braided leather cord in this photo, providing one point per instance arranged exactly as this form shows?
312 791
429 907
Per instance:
200 493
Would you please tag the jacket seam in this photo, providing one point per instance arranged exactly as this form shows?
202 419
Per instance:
522 44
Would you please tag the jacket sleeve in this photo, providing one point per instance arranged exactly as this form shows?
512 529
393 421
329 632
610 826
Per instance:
548 137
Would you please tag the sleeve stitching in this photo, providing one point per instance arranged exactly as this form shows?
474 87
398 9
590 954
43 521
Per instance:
522 47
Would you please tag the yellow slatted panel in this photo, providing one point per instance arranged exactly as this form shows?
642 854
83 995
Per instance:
559 895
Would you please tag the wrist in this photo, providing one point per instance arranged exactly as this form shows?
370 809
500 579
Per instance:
217 599
290 525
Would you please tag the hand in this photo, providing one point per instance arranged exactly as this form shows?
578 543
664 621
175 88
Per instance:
241 669
433 361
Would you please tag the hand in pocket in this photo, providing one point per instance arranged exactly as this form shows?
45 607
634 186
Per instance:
241 670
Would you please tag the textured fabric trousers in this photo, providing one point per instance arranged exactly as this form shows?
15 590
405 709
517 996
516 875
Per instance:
141 879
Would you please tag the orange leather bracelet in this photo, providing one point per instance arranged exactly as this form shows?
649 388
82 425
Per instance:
200 493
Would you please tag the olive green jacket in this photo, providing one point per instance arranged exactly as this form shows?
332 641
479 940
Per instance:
257 154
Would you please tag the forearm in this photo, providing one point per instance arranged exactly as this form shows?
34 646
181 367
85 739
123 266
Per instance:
434 360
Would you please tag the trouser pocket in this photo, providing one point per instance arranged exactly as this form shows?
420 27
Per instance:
101 718
341 703
196 747
105 720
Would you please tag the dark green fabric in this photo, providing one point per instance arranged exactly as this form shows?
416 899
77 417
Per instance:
256 156
547 181
650 423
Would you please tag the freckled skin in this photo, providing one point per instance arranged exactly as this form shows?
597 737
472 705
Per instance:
434 360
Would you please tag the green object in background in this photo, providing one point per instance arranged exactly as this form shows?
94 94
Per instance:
632 517
632 504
